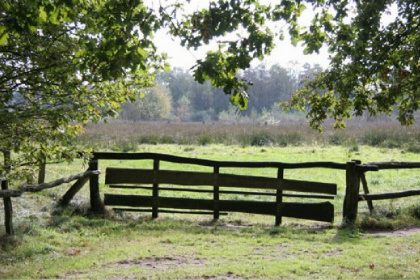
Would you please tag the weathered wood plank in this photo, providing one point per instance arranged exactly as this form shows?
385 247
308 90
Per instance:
308 187
323 211
313 211
147 176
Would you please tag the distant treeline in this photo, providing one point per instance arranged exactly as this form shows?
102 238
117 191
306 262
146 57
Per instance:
177 96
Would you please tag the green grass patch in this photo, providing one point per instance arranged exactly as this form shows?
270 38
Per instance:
174 248
72 243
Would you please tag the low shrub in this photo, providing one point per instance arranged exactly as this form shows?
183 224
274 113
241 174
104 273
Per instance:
260 139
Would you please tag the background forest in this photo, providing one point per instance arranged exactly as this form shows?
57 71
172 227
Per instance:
177 96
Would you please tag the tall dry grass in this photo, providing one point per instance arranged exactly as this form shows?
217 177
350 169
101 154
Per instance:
126 136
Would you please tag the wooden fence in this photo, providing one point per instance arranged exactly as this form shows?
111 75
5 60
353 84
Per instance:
355 176
221 184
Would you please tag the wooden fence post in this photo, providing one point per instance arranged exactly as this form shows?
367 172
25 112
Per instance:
95 197
279 198
155 208
216 195
352 193
42 170
8 209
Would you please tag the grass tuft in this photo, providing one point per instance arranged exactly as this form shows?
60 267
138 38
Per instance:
386 217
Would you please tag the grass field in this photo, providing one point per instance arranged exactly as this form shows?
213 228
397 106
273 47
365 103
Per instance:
72 243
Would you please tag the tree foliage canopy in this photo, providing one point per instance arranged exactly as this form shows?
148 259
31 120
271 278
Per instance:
66 62
374 49
63 63
375 60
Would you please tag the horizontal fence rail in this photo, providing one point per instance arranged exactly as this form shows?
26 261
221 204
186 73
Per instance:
381 196
395 165
213 163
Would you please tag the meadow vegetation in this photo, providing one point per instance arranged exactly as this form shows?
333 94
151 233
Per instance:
54 242
127 136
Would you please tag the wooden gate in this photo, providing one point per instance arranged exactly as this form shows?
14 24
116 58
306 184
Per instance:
218 185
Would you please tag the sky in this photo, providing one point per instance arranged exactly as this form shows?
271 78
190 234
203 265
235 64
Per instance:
285 54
